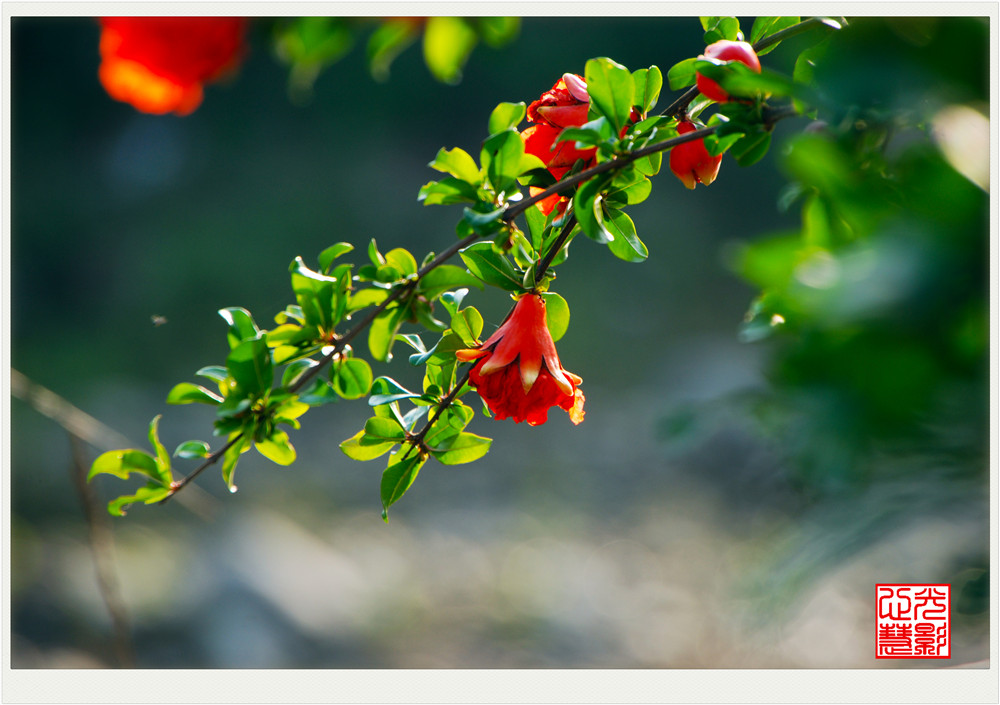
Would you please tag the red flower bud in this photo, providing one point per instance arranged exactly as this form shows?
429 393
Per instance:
691 162
518 373
160 64
725 50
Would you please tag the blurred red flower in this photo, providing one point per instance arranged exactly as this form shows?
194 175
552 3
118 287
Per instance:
159 64
518 373
564 105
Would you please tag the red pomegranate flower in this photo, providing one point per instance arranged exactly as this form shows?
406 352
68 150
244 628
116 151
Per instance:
691 162
564 105
518 373
159 64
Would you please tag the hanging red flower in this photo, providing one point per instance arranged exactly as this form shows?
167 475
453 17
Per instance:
517 370
564 105
691 162
160 64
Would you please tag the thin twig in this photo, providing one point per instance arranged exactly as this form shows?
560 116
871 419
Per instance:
102 552
544 263
417 441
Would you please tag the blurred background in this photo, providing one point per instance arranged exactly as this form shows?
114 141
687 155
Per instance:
719 507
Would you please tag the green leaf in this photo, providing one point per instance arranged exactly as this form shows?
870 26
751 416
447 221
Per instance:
231 457
766 26
381 430
463 448
490 266
187 393
241 325
382 332
327 256
213 372
148 494
611 90
277 448
682 74
484 223
351 378
588 208
626 244
249 363
647 85
458 163
362 447
447 191
402 261
556 314
751 148
314 293
398 477
121 463
717 28
192 449
506 116
467 324
160 454
446 277
385 390
501 156
448 425
447 44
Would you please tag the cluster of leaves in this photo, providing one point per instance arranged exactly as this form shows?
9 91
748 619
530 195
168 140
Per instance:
311 44
272 377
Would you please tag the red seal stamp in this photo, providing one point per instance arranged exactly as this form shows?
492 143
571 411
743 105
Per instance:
912 620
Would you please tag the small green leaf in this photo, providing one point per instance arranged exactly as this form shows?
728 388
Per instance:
648 83
682 74
766 26
192 449
506 116
362 447
556 314
398 477
351 378
187 393
159 452
463 448
490 266
446 192
148 494
626 244
588 208
402 261
467 324
277 448
458 163
446 277
382 332
241 325
249 363
380 430
232 456
121 463
611 90
751 148
501 157
327 256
